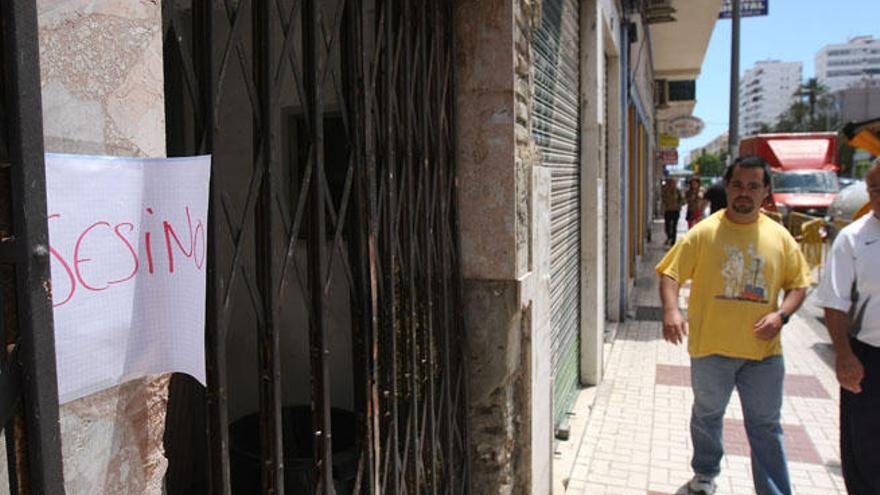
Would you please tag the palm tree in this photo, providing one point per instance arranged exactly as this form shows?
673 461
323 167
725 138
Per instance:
813 91
817 98
811 110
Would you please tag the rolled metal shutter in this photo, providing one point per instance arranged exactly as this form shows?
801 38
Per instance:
555 129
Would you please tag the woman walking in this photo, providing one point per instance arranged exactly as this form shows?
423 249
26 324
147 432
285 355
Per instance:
695 203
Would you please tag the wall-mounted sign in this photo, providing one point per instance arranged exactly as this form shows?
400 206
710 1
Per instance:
666 157
128 257
668 141
747 8
685 126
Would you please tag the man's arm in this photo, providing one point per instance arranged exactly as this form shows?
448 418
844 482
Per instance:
849 369
770 324
675 327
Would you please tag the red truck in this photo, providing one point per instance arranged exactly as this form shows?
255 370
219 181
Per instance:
804 169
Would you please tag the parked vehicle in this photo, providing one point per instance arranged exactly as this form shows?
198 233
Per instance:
804 167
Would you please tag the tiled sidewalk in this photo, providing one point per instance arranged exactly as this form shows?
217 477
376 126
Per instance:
635 437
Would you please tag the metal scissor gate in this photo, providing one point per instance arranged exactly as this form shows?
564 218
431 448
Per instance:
334 328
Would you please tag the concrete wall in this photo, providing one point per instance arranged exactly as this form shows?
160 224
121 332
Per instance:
102 88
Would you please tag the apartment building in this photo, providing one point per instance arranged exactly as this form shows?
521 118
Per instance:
841 66
765 92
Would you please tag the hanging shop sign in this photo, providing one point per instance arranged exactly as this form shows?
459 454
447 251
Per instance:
128 248
747 8
667 157
668 141
685 126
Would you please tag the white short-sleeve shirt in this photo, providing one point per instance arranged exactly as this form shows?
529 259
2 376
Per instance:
851 282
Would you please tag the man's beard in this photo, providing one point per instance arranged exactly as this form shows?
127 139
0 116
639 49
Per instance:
743 208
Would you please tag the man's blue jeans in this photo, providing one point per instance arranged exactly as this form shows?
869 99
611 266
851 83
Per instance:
759 384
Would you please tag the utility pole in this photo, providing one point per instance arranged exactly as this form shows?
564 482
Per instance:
733 125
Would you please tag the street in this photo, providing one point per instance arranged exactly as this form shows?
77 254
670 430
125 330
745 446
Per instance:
636 437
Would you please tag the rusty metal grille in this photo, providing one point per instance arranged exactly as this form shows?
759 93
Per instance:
334 321
28 390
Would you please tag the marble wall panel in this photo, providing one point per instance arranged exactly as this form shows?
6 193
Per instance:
102 88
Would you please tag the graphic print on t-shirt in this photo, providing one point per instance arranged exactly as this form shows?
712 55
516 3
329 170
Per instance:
743 274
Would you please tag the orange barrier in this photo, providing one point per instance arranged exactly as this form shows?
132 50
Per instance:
775 215
812 242
809 232
796 221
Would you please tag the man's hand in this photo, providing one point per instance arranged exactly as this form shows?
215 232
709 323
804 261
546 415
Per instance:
768 326
850 372
675 327
849 369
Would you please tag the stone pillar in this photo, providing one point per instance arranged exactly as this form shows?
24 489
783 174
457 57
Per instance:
599 23
539 348
102 86
592 325
487 184
614 193
505 292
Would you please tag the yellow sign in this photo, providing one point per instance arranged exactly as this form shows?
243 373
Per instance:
668 141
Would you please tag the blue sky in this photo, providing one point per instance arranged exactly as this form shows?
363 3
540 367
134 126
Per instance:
793 31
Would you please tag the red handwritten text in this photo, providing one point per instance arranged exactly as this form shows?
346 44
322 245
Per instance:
106 254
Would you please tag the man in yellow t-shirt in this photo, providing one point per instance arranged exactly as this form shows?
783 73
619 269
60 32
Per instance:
738 261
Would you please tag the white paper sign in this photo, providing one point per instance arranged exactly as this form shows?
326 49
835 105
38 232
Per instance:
128 241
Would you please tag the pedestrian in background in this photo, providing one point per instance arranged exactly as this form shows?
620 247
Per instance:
716 196
672 202
695 203
738 261
850 294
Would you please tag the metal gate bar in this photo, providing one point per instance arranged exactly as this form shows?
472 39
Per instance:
35 447
268 342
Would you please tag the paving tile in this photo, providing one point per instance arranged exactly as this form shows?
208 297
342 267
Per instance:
798 446
805 386
677 376
795 385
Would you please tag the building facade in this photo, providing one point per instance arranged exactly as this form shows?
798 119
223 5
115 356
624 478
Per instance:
765 92
860 101
425 218
841 65
717 146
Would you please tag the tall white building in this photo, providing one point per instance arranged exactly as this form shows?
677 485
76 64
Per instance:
765 91
840 66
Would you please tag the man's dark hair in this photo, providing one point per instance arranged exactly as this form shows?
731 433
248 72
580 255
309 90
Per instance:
748 161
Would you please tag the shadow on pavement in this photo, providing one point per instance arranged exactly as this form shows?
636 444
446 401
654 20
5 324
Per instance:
683 490
826 352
